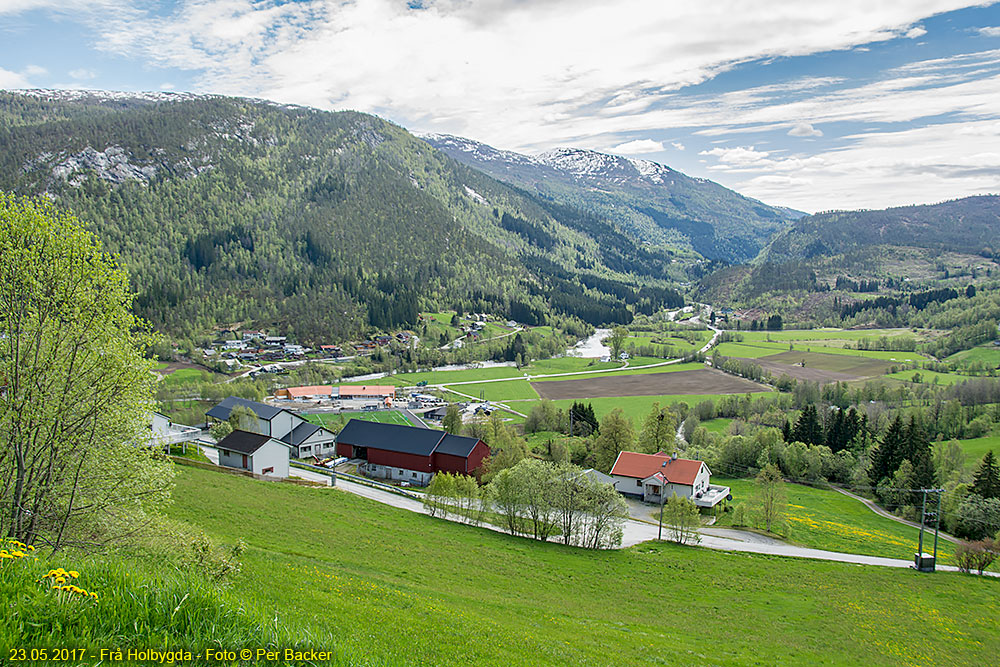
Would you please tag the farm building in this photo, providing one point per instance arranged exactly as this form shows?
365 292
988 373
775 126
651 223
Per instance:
368 391
655 477
312 392
408 453
260 454
304 438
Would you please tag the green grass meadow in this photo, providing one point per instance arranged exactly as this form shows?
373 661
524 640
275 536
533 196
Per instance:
826 519
388 587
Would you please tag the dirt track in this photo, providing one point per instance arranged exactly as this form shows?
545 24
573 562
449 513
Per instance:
701 381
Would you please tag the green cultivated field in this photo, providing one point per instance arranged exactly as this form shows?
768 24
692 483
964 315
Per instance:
986 354
975 449
822 334
718 425
643 367
334 419
826 519
929 377
500 391
637 407
383 586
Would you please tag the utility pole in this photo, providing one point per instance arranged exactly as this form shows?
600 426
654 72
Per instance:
920 561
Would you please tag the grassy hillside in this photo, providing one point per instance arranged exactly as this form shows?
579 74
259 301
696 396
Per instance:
396 588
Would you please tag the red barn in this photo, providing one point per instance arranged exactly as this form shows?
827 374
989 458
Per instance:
408 453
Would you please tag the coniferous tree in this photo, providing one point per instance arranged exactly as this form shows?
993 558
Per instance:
808 428
887 456
986 482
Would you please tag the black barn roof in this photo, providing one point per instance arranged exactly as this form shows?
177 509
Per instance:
456 445
390 437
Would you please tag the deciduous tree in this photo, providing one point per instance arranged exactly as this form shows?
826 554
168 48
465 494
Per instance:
77 392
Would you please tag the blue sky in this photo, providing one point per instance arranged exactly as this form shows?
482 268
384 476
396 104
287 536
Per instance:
815 105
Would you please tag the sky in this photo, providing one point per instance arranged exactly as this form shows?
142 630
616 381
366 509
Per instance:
813 105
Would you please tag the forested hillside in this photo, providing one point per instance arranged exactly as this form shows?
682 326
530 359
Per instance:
230 212
655 203
970 225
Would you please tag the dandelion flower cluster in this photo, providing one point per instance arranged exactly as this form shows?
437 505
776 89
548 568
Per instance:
60 577
11 550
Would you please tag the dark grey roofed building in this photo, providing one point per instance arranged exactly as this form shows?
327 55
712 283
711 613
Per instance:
456 445
243 442
391 437
299 434
223 410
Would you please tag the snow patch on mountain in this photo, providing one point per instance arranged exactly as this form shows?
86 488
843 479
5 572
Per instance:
476 149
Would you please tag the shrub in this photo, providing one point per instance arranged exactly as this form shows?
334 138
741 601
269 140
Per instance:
977 555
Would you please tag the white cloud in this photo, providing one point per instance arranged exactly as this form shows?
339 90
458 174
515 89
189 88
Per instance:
877 169
166 85
989 31
34 70
678 145
914 32
639 146
83 74
804 130
10 79
512 73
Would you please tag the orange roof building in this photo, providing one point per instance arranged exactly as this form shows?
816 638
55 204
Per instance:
656 477
368 391
300 393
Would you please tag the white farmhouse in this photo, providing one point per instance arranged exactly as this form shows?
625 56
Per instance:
656 477
260 454
304 438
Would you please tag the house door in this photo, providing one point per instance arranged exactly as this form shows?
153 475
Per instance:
244 461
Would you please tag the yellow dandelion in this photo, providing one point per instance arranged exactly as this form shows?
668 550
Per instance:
74 574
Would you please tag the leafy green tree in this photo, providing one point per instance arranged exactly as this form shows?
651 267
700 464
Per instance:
452 421
769 501
617 434
77 392
986 482
220 430
616 341
658 431
949 461
681 516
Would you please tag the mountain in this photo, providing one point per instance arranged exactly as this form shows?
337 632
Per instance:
652 202
229 211
970 225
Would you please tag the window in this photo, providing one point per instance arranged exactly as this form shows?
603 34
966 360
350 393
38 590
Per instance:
414 475
638 482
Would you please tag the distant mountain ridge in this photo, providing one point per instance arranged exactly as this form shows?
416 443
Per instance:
320 224
968 225
652 202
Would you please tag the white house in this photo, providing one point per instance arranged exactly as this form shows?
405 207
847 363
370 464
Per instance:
656 477
260 454
304 438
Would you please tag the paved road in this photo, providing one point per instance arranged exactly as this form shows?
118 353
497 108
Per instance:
636 532
881 512
413 419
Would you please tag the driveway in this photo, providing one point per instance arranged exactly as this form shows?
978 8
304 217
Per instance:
636 532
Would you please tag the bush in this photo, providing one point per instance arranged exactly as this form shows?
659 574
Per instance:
977 555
